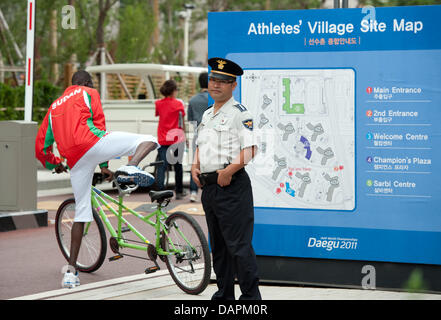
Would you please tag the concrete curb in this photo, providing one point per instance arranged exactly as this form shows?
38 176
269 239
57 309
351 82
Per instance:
22 220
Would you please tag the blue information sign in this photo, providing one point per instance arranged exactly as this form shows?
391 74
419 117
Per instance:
347 109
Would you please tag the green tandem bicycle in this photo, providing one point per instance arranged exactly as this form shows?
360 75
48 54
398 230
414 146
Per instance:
179 240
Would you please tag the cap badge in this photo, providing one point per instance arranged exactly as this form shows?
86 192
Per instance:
221 64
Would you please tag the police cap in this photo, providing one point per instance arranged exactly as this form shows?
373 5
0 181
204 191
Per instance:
224 69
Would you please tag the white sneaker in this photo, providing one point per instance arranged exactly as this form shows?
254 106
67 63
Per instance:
70 280
133 174
193 196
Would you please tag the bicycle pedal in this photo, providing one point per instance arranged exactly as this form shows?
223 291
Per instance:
125 229
151 269
117 257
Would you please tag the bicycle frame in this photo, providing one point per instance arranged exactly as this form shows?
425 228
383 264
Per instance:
99 198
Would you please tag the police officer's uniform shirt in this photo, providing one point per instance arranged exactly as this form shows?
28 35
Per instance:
223 135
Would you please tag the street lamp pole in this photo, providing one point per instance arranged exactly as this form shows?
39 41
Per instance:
187 16
344 4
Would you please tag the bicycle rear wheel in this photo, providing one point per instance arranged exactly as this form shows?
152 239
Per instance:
191 268
93 245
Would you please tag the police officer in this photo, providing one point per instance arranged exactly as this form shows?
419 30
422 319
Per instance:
225 145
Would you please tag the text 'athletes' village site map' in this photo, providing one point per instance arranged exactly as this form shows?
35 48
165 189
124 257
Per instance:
305 131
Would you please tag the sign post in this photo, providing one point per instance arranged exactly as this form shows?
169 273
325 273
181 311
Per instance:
29 81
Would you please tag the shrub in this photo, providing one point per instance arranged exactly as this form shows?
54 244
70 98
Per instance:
12 100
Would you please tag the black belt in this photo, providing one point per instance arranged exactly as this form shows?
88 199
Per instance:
211 177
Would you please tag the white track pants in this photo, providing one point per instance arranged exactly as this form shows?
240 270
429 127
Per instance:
111 146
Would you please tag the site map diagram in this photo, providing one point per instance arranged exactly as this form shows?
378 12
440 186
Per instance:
305 130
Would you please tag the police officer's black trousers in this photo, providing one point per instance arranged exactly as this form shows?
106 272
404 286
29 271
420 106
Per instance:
230 218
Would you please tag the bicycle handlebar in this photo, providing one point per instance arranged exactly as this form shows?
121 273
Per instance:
154 164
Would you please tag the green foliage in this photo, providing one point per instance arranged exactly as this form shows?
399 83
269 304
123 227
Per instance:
136 24
44 94
416 282
169 50
128 28
396 3
12 100
245 5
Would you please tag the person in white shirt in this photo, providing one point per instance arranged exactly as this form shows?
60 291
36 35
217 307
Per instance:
225 145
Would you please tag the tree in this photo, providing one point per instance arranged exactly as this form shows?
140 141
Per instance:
396 3
133 30
169 48
103 9
136 28
245 5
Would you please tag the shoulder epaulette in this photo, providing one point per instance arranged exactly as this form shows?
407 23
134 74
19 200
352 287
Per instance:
240 107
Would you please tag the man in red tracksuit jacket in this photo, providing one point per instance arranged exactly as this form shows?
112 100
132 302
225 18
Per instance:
75 121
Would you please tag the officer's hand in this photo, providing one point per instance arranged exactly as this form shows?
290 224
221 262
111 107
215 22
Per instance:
223 178
194 174
107 173
60 168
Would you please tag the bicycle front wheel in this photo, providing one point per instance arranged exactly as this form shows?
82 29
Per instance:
93 245
189 264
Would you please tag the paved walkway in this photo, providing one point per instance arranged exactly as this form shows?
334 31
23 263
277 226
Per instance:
160 286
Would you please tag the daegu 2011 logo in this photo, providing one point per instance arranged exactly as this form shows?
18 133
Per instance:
333 243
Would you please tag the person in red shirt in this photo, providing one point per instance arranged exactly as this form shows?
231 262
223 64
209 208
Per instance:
76 123
171 134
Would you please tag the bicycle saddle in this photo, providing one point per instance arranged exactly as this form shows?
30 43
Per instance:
160 195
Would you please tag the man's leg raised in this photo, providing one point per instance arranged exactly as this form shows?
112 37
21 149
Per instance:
143 149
